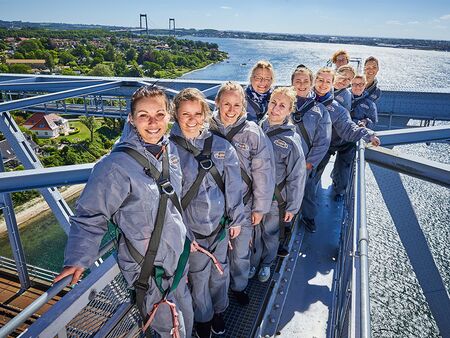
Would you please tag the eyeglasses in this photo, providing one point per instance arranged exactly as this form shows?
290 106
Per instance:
362 84
341 58
262 79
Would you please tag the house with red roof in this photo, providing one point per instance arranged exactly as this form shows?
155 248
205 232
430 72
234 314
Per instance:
47 126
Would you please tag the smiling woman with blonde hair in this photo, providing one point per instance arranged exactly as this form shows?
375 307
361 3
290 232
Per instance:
258 91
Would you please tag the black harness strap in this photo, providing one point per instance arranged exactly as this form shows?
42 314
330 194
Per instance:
166 192
372 88
275 132
245 177
297 117
259 113
281 207
205 165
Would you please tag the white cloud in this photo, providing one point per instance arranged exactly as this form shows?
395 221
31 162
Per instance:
445 17
225 7
393 22
413 22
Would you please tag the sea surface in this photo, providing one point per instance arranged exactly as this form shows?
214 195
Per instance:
398 308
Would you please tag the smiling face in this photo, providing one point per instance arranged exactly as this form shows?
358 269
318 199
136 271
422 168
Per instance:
358 85
230 105
370 70
302 84
279 108
191 118
323 83
343 79
261 80
151 118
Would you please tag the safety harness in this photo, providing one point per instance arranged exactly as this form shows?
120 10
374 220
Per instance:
297 117
205 166
277 192
146 262
245 177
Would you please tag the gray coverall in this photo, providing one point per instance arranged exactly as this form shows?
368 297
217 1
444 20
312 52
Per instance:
318 127
118 189
289 167
256 159
366 110
202 216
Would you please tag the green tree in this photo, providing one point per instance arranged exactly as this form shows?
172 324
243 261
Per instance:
65 57
20 68
90 123
29 46
3 68
109 52
101 70
134 70
120 67
131 54
150 68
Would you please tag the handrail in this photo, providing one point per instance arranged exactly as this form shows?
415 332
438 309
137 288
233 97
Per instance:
363 245
33 307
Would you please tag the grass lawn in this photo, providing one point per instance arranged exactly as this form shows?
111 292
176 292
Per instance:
83 134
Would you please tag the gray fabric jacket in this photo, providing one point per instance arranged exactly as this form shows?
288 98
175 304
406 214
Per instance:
344 98
365 109
318 126
118 189
256 159
206 209
289 163
344 129
374 90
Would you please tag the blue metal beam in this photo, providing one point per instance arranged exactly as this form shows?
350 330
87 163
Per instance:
414 135
44 177
31 101
14 237
49 86
424 169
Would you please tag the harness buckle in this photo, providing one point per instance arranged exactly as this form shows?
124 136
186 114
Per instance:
206 164
297 118
166 187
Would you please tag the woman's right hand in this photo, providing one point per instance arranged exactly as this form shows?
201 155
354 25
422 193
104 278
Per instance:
193 246
75 271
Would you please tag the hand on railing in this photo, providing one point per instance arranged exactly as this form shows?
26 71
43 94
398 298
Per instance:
375 141
75 271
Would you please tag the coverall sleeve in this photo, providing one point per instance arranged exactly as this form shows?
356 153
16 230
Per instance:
103 195
321 141
233 188
349 130
295 179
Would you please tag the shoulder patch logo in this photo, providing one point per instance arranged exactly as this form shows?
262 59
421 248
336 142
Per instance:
281 143
220 155
174 160
242 146
339 98
330 108
364 105
316 109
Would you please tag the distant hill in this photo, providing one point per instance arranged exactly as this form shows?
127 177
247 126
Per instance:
440 45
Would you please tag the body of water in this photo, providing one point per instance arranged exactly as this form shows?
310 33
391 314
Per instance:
398 307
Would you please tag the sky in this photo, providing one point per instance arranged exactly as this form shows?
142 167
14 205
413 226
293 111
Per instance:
416 19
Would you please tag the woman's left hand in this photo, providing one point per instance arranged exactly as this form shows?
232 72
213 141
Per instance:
288 216
234 232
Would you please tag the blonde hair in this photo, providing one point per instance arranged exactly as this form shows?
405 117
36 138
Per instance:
325 70
147 92
289 92
340 52
263 64
360 76
232 86
344 68
302 70
191 94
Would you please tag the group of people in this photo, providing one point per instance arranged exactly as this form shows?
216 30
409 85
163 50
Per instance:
205 207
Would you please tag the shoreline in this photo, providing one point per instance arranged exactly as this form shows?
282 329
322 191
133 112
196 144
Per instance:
38 207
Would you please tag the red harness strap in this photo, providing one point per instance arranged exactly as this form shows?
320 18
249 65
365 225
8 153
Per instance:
210 255
175 332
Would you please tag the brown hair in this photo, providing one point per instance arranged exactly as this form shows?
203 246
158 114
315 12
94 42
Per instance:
325 70
302 70
371 58
289 92
147 91
343 68
191 94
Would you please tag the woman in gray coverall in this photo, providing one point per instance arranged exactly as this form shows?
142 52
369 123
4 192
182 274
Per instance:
120 190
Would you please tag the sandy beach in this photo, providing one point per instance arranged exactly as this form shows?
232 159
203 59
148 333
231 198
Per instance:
38 206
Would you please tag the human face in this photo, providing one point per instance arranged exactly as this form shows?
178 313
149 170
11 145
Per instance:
279 108
323 83
230 106
151 118
371 70
343 80
341 60
302 84
358 86
191 118
261 80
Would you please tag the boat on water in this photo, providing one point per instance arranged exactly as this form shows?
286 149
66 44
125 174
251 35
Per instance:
320 290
